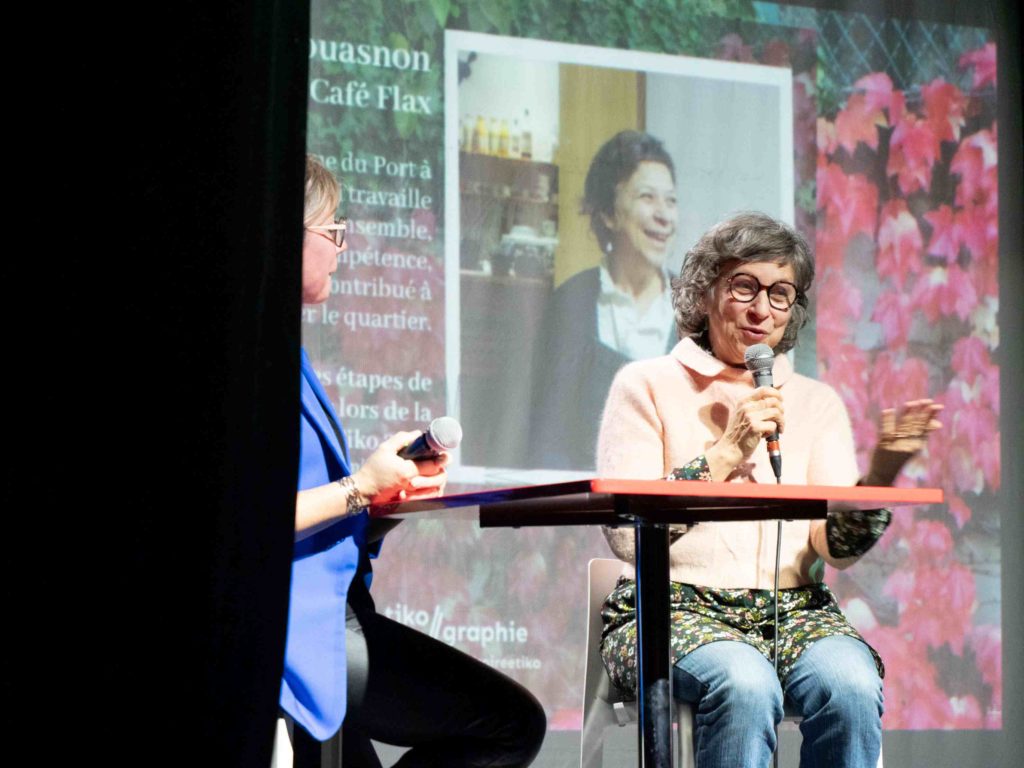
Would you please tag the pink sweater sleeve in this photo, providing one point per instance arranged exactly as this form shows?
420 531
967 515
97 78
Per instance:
630 444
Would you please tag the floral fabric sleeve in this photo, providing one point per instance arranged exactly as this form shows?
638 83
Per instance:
851 533
694 470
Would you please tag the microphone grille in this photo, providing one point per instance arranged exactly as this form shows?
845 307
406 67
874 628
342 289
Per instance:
759 357
446 432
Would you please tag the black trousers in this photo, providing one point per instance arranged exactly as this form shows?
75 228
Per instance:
408 689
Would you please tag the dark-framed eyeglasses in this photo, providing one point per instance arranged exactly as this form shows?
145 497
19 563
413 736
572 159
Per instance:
335 231
781 295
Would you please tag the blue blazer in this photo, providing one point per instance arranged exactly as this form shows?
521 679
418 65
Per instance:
323 566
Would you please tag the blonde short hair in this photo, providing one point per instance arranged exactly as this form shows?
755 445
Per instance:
322 192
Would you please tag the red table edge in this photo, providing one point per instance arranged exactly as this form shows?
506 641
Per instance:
883 495
886 495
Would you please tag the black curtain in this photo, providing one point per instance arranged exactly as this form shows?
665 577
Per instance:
157 414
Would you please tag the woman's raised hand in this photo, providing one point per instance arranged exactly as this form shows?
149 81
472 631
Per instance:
902 434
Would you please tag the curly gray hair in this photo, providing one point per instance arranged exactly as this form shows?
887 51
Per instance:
749 237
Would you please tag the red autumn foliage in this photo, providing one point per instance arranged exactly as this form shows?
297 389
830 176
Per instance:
936 259
899 243
983 60
944 106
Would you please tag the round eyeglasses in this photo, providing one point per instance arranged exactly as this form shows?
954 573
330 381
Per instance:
335 231
781 295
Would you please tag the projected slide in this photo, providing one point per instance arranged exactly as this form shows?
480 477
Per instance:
528 257
480 147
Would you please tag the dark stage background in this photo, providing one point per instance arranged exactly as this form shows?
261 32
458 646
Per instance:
155 387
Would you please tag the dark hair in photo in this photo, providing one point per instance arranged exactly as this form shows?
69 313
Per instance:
617 160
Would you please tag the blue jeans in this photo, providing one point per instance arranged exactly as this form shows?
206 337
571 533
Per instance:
834 685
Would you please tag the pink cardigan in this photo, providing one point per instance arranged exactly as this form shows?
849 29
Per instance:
664 412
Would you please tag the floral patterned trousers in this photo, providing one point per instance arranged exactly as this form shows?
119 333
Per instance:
702 615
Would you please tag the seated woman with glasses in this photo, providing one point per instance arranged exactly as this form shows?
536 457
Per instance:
695 414
343 660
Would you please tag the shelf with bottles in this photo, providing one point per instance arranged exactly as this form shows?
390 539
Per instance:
497 137
509 216
508 180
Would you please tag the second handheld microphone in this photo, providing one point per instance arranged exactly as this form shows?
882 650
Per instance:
443 434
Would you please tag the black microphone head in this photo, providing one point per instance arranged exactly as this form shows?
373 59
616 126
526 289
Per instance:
759 357
444 434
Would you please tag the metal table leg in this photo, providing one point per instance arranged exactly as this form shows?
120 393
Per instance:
654 693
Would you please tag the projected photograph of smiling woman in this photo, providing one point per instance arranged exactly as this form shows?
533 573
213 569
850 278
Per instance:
583 176
619 310
643 190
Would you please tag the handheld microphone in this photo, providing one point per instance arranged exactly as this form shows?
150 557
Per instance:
759 360
443 434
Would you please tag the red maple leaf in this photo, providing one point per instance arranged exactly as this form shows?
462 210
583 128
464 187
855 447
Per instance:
849 200
958 509
827 142
899 242
973 427
967 714
859 121
987 643
975 163
984 62
913 698
970 358
897 107
985 274
945 292
944 106
945 239
893 311
839 305
899 585
955 584
913 150
829 246
990 387
979 231
845 367
975 430
930 541
877 89
893 383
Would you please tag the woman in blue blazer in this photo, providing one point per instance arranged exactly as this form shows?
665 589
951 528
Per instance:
343 660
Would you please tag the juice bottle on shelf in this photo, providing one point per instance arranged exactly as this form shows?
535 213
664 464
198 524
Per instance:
514 139
493 135
503 139
480 141
526 141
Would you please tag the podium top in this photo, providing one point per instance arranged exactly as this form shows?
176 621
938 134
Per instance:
611 501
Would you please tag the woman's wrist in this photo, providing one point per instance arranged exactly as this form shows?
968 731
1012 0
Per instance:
884 467
355 500
723 459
